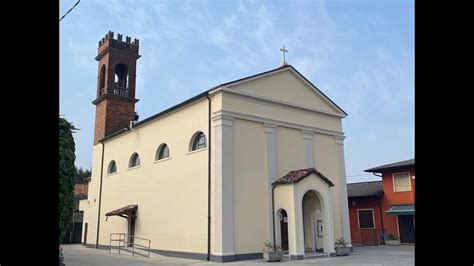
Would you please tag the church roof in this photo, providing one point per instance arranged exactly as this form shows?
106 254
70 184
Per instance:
297 175
205 93
379 169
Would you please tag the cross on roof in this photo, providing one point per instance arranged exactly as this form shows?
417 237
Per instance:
283 50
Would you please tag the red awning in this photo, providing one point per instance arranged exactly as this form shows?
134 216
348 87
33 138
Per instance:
128 210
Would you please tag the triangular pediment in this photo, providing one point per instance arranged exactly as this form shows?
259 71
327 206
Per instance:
289 86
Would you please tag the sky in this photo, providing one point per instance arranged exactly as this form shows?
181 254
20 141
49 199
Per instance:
360 53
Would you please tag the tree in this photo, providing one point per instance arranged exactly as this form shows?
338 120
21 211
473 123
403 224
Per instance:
67 174
82 175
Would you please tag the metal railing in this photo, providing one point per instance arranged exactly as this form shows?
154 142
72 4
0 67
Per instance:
120 91
124 239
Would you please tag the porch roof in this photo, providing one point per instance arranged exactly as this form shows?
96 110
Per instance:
297 175
127 210
408 209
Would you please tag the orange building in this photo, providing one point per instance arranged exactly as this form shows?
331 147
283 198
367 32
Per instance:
382 207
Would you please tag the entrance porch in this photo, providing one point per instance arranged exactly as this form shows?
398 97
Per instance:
303 214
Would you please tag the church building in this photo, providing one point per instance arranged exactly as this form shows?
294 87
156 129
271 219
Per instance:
254 160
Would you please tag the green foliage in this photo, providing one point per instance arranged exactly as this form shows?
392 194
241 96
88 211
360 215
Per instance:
67 174
391 236
82 175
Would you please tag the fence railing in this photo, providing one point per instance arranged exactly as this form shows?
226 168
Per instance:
125 241
120 91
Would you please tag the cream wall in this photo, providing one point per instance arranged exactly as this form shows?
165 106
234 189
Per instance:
290 150
171 194
253 107
249 174
284 198
327 162
90 209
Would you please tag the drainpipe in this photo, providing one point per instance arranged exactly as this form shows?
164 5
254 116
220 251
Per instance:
100 194
381 217
209 181
380 208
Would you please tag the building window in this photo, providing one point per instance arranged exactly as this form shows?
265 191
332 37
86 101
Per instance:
198 141
401 182
366 219
112 167
162 153
134 160
102 81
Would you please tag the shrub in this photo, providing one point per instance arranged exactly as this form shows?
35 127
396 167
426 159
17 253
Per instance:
270 248
391 236
340 242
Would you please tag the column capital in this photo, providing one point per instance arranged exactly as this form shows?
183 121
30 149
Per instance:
270 128
223 120
339 139
307 134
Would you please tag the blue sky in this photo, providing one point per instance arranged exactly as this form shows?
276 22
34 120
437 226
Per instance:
360 53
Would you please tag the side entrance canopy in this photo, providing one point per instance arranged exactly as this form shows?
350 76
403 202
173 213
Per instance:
401 210
123 212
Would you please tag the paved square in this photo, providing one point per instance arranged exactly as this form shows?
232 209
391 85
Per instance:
77 255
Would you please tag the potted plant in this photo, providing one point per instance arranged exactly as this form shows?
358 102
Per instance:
392 240
341 248
272 253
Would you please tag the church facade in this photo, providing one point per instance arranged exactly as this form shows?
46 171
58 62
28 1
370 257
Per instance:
215 177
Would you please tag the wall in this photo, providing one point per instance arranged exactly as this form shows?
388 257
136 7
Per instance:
250 199
326 161
395 198
364 236
250 172
171 194
253 107
290 150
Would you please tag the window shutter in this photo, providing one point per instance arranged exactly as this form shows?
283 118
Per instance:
402 182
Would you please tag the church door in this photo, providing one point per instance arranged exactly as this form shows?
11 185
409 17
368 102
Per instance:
131 229
284 230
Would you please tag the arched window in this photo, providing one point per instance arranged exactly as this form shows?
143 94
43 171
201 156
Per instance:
102 80
134 160
198 141
121 80
163 152
121 75
112 167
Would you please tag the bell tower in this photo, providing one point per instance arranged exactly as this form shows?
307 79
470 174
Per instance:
115 102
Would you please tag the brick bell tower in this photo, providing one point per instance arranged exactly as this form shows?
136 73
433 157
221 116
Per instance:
115 103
